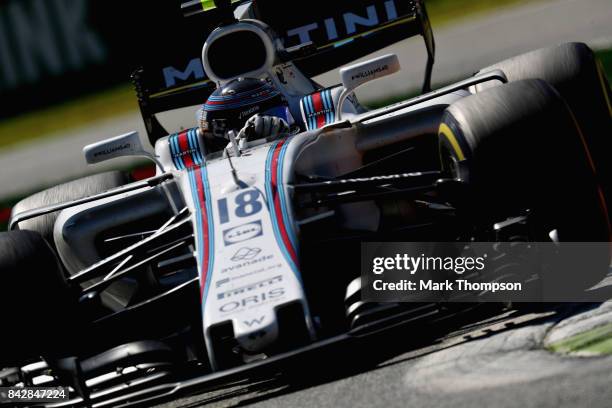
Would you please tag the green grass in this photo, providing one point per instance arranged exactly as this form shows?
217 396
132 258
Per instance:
442 12
597 341
69 115
606 59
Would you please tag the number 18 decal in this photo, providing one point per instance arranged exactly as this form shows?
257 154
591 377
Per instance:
245 204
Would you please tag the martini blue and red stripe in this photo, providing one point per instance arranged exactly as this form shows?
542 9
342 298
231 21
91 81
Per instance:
185 149
200 190
319 109
277 202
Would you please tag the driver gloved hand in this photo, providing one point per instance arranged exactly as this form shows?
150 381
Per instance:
259 127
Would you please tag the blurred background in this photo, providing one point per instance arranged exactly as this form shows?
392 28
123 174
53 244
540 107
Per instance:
65 68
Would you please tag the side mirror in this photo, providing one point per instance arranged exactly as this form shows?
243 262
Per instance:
124 145
356 75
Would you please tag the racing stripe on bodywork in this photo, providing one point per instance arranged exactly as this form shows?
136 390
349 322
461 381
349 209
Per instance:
317 101
283 197
175 152
200 190
194 143
318 109
329 106
282 225
308 112
185 149
312 116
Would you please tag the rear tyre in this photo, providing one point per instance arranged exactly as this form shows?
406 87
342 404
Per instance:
574 71
74 190
35 302
519 149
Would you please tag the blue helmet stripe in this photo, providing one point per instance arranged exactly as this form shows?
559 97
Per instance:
235 104
240 94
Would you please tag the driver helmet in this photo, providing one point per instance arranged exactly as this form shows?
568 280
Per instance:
230 106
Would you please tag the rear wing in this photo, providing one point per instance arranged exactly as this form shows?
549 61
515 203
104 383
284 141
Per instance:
338 32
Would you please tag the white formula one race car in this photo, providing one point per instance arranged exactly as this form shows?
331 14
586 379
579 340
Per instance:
242 252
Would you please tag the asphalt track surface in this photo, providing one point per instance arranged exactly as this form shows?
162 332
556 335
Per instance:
480 358
462 49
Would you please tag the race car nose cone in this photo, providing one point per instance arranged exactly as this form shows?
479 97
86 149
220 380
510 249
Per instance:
256 332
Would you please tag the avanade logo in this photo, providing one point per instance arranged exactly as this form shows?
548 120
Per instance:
245 254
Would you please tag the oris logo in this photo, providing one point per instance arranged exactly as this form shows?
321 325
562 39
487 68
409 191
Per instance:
252 301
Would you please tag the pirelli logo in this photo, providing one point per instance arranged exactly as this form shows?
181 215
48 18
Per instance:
249 288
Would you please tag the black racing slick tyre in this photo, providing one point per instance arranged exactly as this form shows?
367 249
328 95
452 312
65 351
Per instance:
74 190
36 304
575 72
519 149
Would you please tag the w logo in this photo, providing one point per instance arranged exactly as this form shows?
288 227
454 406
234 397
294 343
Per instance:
254 322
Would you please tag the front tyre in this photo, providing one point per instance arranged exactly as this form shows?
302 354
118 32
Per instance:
38 309
574 71
519 148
